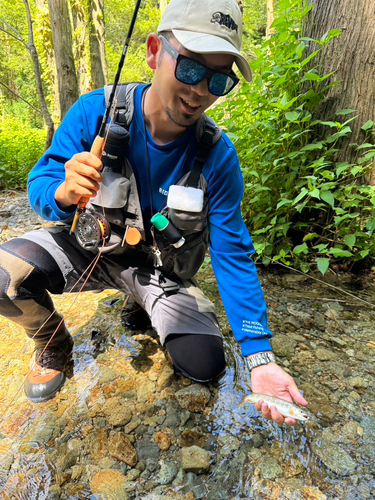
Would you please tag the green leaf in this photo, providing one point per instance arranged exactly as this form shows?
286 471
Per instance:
323 264
301 249
312 76
339 252
292 116
367 125
315 193
310 236
328 197
350 240
304 266
341 112
314 146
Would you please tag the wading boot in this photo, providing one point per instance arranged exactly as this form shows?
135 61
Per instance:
48 374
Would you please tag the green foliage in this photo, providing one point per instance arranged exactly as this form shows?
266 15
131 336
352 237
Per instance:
20 148
302 207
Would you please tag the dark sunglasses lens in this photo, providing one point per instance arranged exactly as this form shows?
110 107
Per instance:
189 72
221 84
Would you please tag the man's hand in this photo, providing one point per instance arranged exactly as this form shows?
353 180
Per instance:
272 380
82 180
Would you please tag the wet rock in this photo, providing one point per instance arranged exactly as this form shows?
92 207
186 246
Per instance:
172 419
368 425
283 346
165 377
270 468
194 398
54 492
195 459
192 438
116 412
167 473
109 484
162 440
145 387
333 457
325 354
229 443
147 450
41 431
121 448
358 382
96 443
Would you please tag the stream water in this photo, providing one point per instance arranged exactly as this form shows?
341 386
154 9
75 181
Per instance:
125 427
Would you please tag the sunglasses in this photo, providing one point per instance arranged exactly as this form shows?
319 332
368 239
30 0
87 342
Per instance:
192 72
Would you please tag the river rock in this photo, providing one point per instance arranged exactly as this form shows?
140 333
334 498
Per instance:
145 387
325 354
283 346
109 484
358 382
116 412
167 473
194 398
192 438
121 448
162 440
333 457
165 377
195 459
270 468
368 425
147 450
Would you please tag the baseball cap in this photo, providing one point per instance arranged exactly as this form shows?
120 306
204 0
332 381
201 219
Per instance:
207 27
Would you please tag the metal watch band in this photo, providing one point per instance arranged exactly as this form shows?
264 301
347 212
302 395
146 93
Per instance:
263 358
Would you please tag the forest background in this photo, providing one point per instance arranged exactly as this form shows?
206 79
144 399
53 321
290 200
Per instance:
303 128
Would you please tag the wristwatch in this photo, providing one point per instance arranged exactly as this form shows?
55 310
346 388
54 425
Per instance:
263 358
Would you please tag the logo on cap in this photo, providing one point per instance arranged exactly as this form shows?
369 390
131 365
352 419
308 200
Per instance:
224 20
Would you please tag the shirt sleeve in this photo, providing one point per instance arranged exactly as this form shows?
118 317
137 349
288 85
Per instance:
231 248
75 135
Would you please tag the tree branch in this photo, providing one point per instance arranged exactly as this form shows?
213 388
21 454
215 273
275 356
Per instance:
19 38
19 97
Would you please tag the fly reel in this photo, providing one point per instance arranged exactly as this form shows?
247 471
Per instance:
91 230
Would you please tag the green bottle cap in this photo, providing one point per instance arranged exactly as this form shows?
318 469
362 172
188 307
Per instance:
159 221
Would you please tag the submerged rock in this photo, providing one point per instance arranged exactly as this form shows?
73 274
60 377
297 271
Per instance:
194 398
109 484
195 459
333 457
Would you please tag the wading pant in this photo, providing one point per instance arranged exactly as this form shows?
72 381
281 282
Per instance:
52 261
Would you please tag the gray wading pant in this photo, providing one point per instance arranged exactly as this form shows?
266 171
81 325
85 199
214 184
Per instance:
28 269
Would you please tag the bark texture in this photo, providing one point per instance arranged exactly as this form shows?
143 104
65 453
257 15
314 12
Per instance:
97 46
352 56
34 55
62 45
80 46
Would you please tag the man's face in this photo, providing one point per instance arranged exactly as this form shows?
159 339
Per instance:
184 104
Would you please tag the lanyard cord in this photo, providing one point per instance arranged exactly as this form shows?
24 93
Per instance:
148 164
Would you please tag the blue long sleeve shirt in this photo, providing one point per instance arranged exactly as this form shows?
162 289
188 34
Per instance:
229 241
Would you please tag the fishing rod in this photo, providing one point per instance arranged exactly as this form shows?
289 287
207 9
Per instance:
94 228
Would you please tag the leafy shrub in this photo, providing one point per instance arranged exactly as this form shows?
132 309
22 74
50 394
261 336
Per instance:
301 206
20 148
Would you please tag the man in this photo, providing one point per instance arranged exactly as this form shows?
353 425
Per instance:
192 57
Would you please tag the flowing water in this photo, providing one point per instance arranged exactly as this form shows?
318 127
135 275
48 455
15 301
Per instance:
125 427
64 448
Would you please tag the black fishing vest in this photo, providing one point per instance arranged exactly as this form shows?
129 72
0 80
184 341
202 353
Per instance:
119 197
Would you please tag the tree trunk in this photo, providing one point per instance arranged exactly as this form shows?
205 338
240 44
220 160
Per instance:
270 17
80 46
97 47
62 45
351 55
38 78
48 62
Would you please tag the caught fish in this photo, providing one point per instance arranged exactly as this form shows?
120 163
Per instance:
284 407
